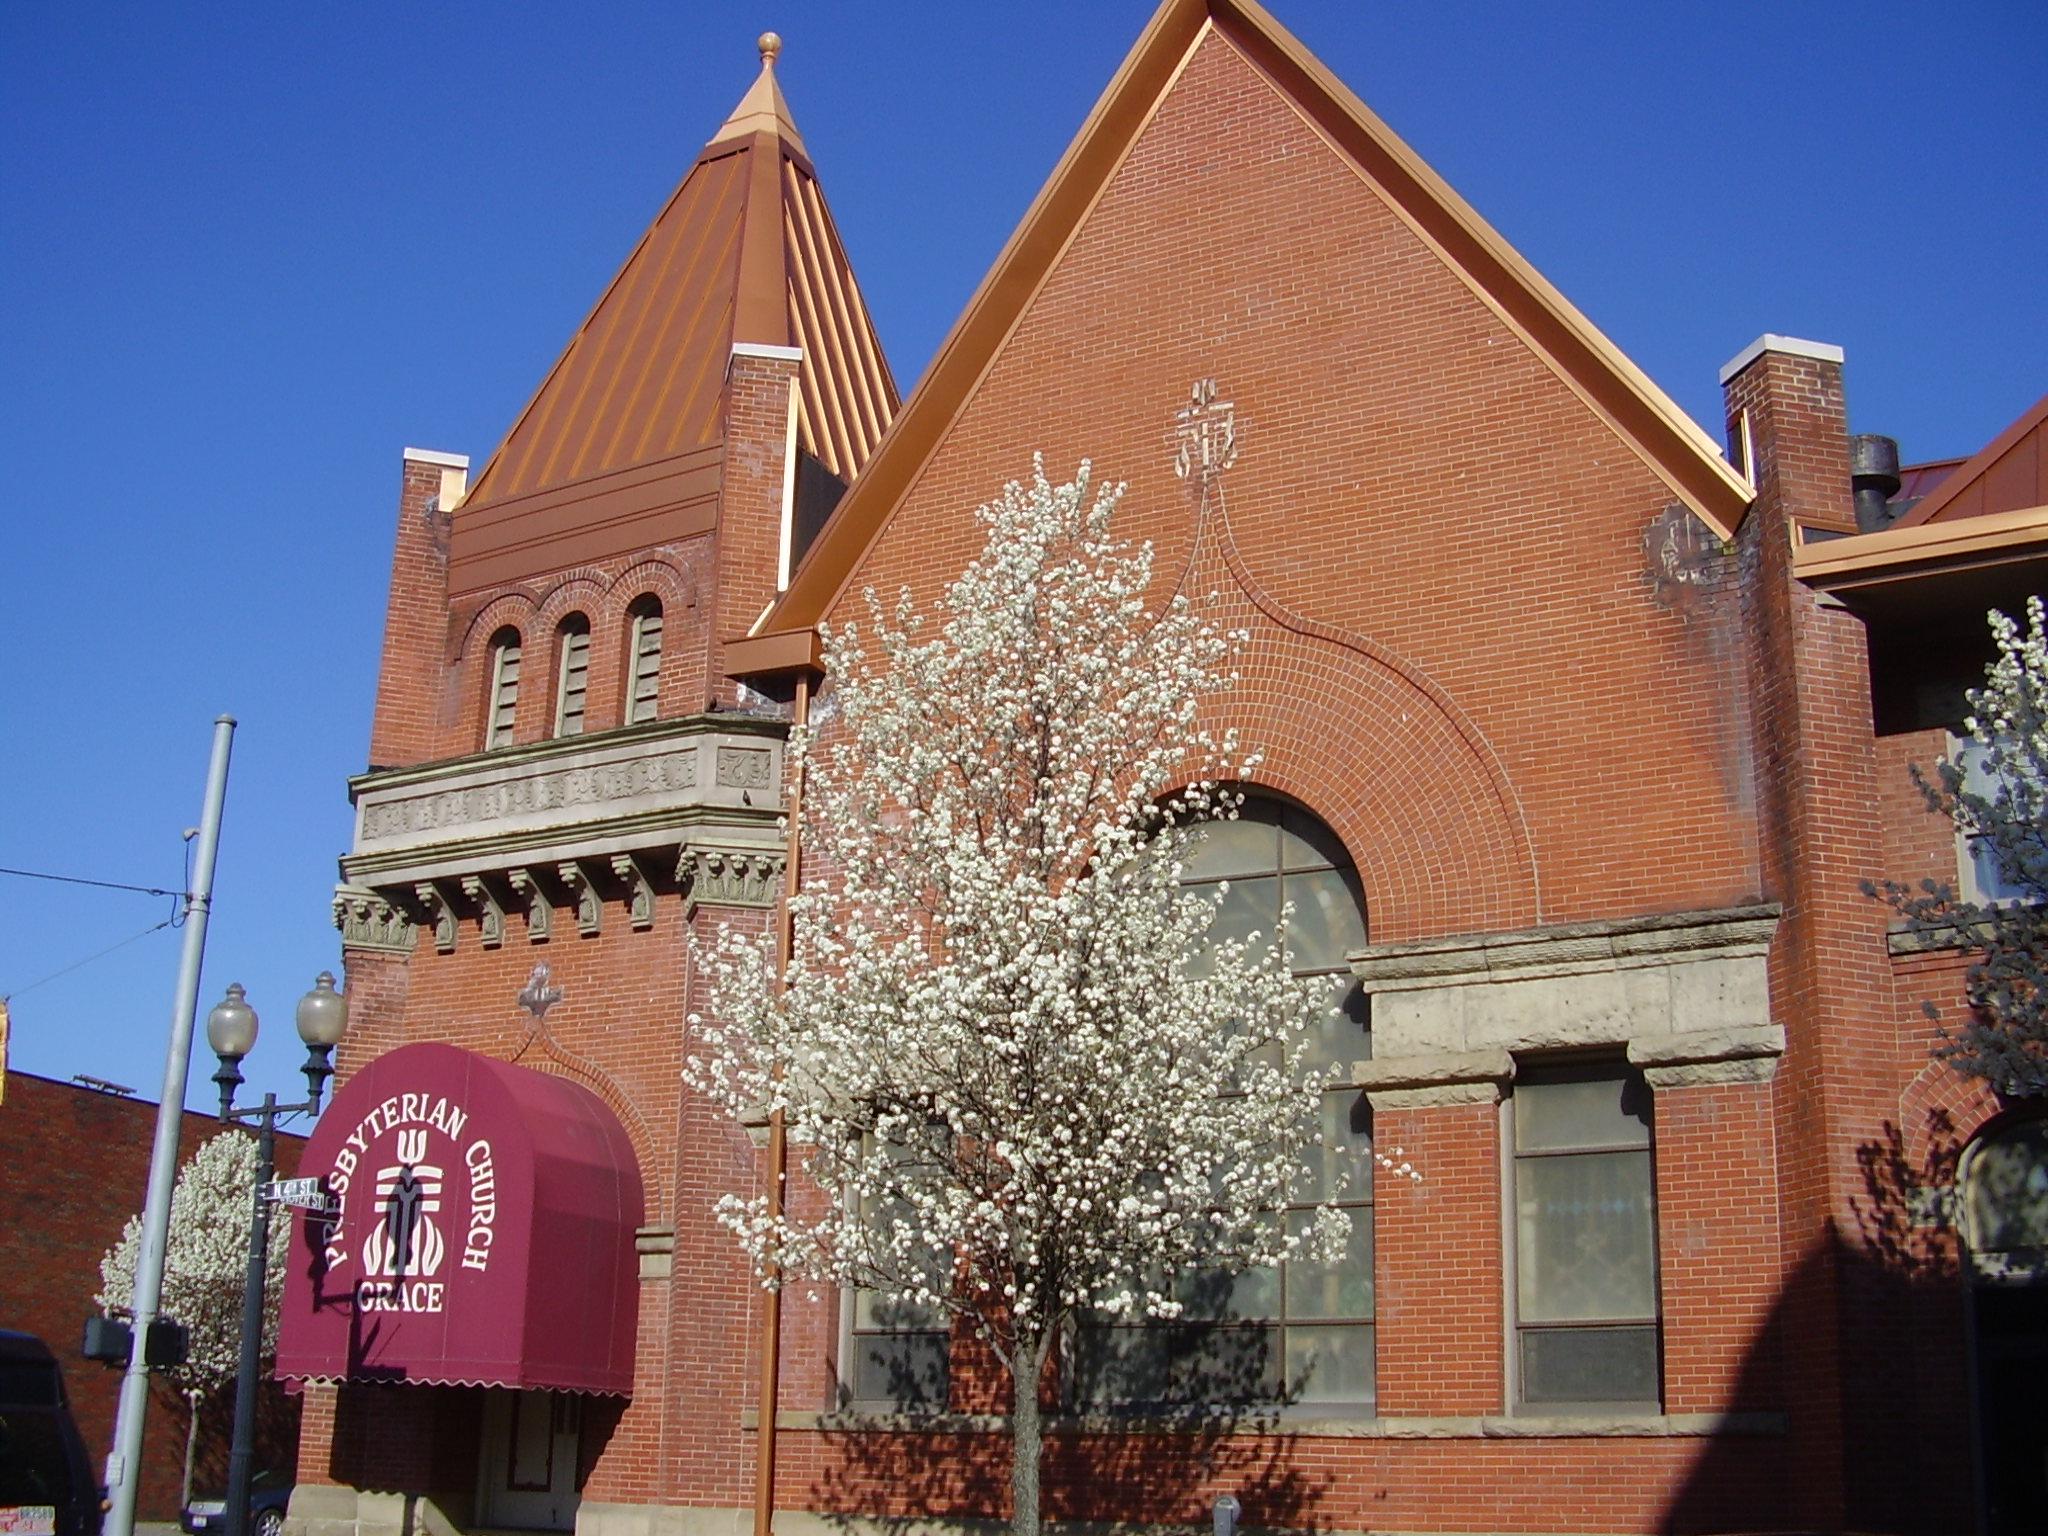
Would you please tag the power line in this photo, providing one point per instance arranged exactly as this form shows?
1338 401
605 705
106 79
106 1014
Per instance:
105 885
100 955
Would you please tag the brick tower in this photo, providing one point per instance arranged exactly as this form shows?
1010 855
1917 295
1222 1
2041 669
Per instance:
562 777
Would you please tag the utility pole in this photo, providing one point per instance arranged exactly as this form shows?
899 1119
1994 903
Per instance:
124 1463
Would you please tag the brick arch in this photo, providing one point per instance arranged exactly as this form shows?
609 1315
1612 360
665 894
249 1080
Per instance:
1381 752
470 658
1942 1111
680 583
656 1183
580 592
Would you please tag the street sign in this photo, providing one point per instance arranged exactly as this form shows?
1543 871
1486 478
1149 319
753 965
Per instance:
306 1194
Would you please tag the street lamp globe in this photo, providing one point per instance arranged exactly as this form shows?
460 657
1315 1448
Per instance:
323 1019
231 1031
323 1014
231 1027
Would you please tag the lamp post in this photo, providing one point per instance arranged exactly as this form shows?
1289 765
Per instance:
231 1031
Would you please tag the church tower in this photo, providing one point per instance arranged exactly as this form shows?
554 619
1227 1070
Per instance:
562 783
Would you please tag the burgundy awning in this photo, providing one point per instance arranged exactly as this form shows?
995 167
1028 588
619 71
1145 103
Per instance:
484 1235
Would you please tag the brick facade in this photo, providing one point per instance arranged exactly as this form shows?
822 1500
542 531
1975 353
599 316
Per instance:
1500 648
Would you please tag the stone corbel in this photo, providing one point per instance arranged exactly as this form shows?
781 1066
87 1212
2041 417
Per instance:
1702 1057
540 907
490 910
639 889
656 1247
581 878
729 877
439 908
368 920
1436 1079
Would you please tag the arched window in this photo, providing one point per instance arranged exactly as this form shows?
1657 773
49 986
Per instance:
1301 1332
2005 1201
501 705
643 660
572 674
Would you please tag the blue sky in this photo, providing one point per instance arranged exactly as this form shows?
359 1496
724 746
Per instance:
249 252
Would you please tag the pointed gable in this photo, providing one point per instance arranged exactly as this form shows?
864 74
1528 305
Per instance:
619 447
2009 474
1417 209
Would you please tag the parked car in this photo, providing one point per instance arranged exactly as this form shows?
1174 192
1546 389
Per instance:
46 1483
269 1493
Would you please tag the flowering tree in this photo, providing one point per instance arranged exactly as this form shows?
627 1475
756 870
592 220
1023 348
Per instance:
206 1261
1999 802
1020 1097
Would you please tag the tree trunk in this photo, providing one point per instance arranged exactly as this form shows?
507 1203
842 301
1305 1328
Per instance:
1025 1440
191 1441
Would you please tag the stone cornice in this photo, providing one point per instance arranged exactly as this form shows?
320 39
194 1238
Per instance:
564 747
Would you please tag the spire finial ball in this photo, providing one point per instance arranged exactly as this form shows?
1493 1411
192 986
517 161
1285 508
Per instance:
770 44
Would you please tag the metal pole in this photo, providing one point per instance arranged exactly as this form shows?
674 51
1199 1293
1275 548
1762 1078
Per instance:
124 1463
778 1160
242 1449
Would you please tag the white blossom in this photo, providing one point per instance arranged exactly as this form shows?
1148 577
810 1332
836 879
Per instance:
1017 1095
2002 808
206 1261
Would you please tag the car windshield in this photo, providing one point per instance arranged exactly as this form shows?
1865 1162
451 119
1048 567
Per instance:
35 1467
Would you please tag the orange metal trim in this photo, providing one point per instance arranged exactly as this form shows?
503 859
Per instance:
1864 558
1965 478
788 650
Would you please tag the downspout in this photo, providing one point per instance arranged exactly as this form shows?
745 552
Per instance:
778 1152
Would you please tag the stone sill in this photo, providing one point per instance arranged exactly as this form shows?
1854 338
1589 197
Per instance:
1608 1426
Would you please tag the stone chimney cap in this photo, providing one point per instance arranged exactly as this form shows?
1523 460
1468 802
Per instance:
1791 346
433 456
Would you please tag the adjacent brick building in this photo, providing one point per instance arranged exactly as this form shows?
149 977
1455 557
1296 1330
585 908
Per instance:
76 1163
1600 725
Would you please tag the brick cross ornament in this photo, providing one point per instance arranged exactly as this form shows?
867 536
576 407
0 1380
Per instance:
1207 431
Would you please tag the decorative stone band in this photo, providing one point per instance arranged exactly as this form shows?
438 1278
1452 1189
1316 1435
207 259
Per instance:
1707 1057
1437 1079
369 921
1570 985
577 797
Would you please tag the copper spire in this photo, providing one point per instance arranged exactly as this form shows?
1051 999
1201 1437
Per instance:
762 109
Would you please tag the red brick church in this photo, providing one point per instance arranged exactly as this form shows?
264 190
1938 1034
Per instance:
1581 725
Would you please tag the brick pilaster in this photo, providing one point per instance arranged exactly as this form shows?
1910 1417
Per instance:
412 677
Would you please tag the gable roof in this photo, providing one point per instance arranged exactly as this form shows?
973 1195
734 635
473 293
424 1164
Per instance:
744 251
1641 414
2009 474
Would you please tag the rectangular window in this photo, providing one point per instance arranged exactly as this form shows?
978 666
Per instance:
899 1353
504 694
1984 877
645 684
575 682
1585 1240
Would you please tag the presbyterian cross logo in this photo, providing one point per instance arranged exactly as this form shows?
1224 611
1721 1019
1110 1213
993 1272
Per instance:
1207 429
406 1244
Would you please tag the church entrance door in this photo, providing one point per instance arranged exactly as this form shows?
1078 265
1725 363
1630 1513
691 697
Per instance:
531 1445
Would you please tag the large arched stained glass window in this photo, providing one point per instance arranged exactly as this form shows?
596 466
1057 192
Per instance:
1300 1333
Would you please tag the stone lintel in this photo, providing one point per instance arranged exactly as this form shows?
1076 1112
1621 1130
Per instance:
1570 986
1566 949
1708 1057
